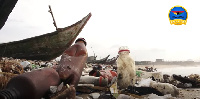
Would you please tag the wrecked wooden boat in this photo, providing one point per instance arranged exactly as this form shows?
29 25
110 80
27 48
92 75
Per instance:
101 61
90 59
111 61
6 7
45 47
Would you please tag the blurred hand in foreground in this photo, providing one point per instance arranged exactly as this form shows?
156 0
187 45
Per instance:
72 62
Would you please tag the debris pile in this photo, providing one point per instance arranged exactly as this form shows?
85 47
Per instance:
10 68
99 81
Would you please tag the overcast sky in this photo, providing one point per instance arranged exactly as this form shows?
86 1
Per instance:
142 25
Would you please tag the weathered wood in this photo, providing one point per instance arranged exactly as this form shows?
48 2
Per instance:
111 61
45 47
101 61
54 21
89 89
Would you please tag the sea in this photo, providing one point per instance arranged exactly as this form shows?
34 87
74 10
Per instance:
181 70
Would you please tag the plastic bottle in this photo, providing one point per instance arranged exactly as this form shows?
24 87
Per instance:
31 85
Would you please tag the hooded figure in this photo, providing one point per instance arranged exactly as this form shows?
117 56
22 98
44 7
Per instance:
125 69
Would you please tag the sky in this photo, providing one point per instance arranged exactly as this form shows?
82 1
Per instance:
142 25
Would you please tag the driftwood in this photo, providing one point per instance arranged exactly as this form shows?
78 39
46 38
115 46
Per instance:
90 89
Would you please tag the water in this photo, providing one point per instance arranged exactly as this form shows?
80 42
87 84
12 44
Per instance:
183 70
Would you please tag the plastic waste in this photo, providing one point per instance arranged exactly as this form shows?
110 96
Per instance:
97 81
25 64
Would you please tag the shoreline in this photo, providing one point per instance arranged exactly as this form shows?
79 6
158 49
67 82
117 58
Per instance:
173 69
164 66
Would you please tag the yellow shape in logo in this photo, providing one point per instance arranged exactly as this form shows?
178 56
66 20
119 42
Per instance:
178 15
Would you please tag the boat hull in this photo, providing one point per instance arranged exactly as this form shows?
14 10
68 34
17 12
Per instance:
45 47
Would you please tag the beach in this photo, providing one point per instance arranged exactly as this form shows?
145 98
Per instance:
161 69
